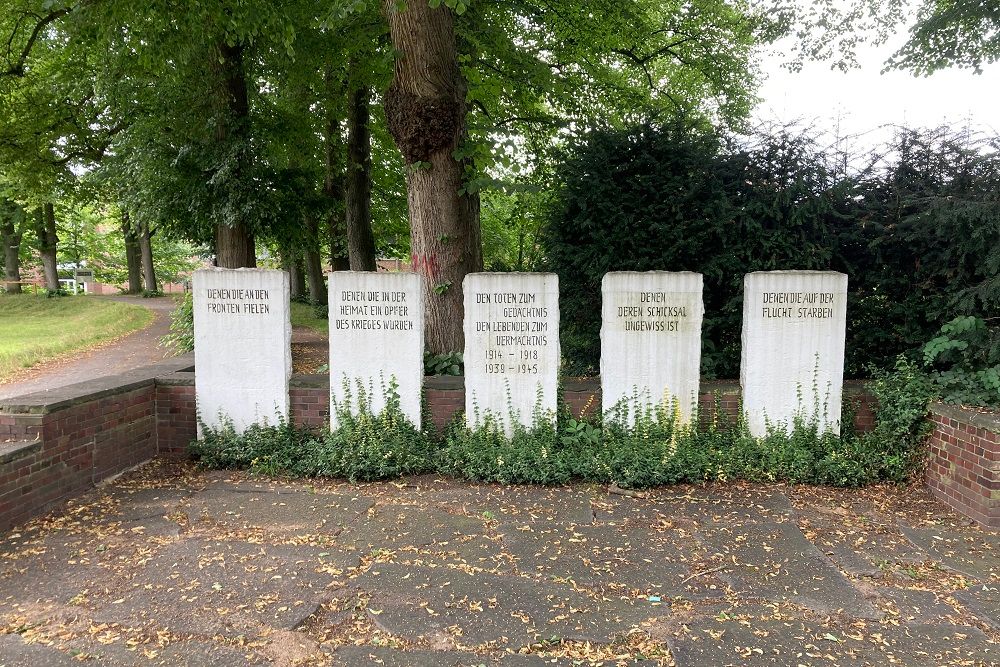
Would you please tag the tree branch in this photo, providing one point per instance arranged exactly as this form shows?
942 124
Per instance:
17 68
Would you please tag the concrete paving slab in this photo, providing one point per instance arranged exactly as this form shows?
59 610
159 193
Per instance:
295 512
412 529
963 551
615 559
774 561
452 605
519 504
983 601
208 587
741 641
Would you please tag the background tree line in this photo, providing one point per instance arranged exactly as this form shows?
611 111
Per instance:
305 134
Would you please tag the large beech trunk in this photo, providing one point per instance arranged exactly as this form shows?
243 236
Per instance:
358 193
297 276
425 109
146 252
291 261
313 261
333 183
234 243
132 255
11 232
48 241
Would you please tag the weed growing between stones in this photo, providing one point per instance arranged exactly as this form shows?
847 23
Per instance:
531 454
632 447
365 446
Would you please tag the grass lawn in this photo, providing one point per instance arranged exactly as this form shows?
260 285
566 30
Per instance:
303 316
33 328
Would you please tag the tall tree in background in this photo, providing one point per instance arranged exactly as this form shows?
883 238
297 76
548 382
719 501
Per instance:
425 108
133 257
146 257
358 191
48 240
12 228
234 239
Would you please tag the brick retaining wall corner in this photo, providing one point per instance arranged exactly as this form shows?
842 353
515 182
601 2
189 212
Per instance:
963 465
56 444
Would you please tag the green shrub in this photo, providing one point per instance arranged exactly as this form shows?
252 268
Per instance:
531 455
554 449
964 362
181 336
367 446
895 446
447 363
918 234
363 447
263 449
634 445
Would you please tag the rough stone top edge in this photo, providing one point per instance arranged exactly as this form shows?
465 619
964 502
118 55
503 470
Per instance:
380 274
246 269
979 417
654 272
684 274
797 272
518 274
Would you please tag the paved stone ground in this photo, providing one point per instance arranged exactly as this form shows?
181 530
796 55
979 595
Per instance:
135 350
172 566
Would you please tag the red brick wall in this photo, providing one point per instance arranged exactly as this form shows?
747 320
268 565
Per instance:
963 467
176 420
51 451
310 406
446 397
73 446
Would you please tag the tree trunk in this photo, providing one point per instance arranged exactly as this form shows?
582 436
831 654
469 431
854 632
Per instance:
146 251
333 184
234 243
132 255
425 109
48 241
291 261
313 261
297 275
358 195
11 231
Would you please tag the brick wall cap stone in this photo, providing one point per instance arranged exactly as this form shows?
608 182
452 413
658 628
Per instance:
60 398
978 417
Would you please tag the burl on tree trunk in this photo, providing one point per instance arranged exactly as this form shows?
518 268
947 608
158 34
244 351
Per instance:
425 109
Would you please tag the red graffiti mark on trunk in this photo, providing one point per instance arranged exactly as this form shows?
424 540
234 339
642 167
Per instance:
426 264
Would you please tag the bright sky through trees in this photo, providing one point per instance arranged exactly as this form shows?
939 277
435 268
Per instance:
866 99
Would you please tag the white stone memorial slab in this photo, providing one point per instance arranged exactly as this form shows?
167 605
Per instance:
651 341
242 346
511 346
794 327
376 339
